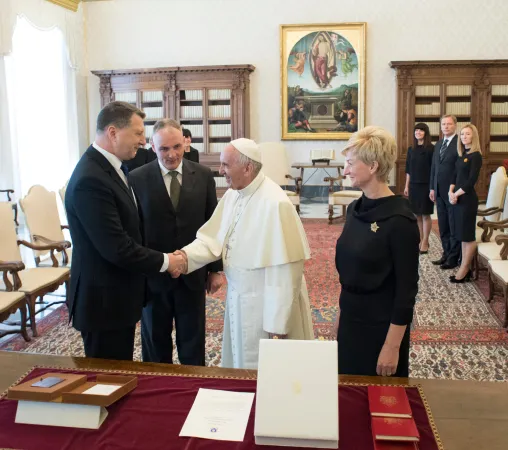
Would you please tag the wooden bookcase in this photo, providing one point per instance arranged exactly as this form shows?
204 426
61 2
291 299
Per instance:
212 101
473 91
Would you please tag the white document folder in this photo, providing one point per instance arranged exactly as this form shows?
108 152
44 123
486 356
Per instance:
297 397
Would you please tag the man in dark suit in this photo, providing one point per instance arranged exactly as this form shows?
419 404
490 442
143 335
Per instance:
143 156
441 175
109 263
176 197
190 153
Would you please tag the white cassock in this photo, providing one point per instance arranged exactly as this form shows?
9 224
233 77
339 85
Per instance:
263 245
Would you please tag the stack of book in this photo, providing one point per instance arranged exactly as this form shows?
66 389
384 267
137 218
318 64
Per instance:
393 426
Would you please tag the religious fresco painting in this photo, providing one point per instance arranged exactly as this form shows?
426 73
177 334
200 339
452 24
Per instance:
323 80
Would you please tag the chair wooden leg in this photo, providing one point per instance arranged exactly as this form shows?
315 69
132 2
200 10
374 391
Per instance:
22 310
330 214
490 295
31 311
15 208
297 209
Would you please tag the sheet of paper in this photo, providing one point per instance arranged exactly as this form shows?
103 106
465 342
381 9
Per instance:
102 389
220 415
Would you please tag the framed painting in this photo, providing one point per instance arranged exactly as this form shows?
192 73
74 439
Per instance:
323 80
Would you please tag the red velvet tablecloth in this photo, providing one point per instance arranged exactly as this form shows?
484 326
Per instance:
152 415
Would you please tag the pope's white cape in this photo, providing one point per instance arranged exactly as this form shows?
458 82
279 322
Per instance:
279 237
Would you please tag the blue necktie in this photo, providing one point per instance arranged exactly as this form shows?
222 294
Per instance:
125 171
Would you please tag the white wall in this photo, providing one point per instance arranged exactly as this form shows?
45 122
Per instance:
158 33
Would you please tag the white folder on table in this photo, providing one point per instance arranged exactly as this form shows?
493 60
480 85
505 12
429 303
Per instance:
297 400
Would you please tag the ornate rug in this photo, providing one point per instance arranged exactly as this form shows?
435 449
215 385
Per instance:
456 334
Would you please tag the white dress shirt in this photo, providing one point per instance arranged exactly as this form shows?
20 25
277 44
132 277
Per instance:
117 163
166 176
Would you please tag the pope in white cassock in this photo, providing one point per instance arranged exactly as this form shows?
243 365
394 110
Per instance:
260 238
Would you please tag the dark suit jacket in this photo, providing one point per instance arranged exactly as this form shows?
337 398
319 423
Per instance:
168 230
143 156
441 173
107 289
193 155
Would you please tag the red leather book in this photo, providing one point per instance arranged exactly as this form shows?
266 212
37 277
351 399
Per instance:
395 445
389 401
394 429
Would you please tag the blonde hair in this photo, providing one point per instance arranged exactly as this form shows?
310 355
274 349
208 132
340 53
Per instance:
374 144
475 144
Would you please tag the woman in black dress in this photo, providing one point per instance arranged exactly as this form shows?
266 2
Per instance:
190 153
418 164
463 196
377 260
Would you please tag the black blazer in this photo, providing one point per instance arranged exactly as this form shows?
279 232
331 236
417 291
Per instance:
193 155
107 289
143 156
168 230
442 172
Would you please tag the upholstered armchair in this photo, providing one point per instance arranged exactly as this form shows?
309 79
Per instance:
498 274
43 221
33 282
341 198
276 166
12 299
13 204
495 197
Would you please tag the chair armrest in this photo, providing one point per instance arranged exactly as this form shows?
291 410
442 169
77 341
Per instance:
482 202
64 227
8 192
58 245
488 211
502 239
332 180
13 267
298 182
489 227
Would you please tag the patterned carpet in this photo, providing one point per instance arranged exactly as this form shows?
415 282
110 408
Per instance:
455 335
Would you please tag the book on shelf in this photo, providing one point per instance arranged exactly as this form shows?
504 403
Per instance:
500 89
394 429
460 90
427 91
389 401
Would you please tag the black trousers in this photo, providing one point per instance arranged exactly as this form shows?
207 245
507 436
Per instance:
109 344
446 221
187 308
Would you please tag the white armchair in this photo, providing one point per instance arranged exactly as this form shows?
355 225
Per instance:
276 166
33 283
43 221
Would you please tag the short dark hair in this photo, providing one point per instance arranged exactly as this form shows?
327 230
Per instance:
118 114
186 133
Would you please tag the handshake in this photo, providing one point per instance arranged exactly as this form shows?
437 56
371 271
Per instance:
177 263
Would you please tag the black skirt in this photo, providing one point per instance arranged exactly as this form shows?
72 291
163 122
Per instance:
419 198
359 346
464 215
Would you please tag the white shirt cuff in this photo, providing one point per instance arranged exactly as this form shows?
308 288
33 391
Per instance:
165 264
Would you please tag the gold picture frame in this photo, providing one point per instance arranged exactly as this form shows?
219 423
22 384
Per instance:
322 80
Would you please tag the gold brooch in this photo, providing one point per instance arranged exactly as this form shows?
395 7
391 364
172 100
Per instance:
374 227
465 160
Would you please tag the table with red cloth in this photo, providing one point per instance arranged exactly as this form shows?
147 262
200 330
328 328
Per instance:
152 415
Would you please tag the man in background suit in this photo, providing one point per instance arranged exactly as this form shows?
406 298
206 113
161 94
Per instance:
176 197
109 262
143 156
190 153
441 174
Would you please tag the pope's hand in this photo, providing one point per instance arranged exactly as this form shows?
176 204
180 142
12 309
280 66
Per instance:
177 263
